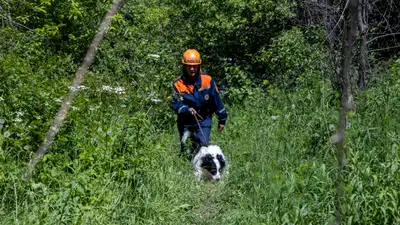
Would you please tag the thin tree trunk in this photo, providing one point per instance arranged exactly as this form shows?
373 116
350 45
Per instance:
349 37
79 78
362 26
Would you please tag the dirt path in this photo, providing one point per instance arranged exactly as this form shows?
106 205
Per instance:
212 203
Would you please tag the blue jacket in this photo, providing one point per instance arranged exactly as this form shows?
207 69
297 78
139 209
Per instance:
203 96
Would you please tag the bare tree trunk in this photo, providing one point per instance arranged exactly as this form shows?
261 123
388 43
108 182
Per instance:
362 26
349 37
79 77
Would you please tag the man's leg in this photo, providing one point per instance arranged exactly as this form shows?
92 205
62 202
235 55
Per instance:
181 130
203 137
195 141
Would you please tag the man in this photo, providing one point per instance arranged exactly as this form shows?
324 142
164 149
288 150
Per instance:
196 98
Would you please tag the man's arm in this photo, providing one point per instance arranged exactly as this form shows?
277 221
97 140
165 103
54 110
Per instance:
177 102
219 106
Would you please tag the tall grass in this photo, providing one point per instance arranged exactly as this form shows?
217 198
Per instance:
111 164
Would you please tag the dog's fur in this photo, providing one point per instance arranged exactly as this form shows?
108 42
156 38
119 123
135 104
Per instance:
209 162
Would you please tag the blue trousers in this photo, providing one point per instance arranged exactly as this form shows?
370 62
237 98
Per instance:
197 138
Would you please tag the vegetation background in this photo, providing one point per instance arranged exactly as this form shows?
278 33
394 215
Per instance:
115 159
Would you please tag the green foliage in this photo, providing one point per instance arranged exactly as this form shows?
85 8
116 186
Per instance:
292 62
115 159
30 98
65 26
229 34
241 87
113 165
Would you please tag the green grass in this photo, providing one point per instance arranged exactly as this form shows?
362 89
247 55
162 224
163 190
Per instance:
115 159
110 165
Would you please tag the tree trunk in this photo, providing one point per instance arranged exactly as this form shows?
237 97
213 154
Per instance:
349 37
79 78
362 26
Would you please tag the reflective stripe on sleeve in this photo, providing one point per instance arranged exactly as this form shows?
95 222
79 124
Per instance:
220 111
179 110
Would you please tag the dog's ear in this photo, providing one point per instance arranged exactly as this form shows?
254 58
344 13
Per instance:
221 160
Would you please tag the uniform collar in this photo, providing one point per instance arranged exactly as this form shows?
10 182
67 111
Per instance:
197 83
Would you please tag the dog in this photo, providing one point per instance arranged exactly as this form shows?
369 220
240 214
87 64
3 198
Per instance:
209 161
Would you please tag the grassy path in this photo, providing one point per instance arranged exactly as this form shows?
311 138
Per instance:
271 181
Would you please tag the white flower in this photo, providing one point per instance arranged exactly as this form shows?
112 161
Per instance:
155 100
1 99
119 90
72 88
348 125
99 130
27 147
18 120
74 108
274 117
58 100
154 55
83 87
116 90
7 134
107 88
286 116
76 88
109 132
123 106
2 121
331 127
293 106
20 113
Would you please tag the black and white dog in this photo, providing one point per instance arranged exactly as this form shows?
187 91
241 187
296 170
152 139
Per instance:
209 162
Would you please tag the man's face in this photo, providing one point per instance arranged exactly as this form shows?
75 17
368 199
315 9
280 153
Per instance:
192 69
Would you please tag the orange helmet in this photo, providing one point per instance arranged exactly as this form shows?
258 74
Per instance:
191 57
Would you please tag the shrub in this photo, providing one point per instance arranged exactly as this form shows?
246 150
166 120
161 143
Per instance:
291 62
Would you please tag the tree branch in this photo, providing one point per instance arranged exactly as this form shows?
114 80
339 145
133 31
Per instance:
363 28
18 24
341 17
385 35
382 49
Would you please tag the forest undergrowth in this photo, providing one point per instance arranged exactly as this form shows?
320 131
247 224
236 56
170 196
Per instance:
111 165
115 159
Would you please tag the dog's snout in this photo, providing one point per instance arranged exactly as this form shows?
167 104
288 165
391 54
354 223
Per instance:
217 177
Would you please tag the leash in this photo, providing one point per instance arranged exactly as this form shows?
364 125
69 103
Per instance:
198 123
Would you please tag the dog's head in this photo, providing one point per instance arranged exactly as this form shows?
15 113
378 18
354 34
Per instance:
213 162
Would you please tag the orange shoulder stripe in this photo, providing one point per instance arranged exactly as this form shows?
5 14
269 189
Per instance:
183 88
205 81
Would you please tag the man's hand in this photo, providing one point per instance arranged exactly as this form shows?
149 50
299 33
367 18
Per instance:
220 127
192 111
